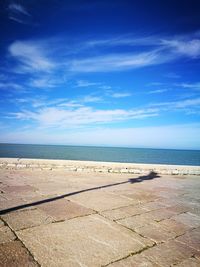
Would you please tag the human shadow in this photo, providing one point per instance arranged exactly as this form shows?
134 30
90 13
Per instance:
150 176
140 179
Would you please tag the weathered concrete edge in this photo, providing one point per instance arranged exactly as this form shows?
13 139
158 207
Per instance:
97 166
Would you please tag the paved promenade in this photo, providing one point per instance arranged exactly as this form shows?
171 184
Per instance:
78 219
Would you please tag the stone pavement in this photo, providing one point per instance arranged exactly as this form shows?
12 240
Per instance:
70 219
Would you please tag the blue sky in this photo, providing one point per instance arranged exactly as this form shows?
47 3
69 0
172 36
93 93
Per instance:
113 73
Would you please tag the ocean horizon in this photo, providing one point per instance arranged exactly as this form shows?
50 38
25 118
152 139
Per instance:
102 153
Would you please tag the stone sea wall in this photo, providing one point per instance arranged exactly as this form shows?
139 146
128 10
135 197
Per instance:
98 167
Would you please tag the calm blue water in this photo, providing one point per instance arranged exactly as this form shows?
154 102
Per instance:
112 154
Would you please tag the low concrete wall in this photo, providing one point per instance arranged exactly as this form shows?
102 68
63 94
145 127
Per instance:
93 166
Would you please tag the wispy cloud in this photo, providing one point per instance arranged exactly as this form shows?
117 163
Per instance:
36 102
120 95
16 19
116 62
11 86
19 13
195 85
91 99
105 87
70 104
107 90
18 9
45 82
123 40
31 56
34 55
190 48
81 101
63 117
187 103
158 91
159 50
83 83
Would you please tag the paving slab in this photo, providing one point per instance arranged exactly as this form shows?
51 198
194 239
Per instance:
141 220
63 209
136 221
6 234
188 218
124 212
173 226
193 207
134 261
178 209
154 232
161 214
191 238
9 203
100 200
86 241
169 253
191 262
197 255
142 197
18 189
153 205
14 254
18 220
1 223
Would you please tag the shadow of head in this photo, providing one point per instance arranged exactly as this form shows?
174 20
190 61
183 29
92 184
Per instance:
150 176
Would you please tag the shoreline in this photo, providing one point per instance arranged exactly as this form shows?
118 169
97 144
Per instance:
97 166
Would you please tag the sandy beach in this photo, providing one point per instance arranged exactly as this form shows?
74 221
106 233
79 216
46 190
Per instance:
97 166
53 216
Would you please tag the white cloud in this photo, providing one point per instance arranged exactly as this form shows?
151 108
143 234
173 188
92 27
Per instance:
17 20
118 62
11 86
83 83
17 8
91 99
187 103
44 82
163 51
189 85
120 95
81 101
31 56
34 55
124 40
71 104
37 102
105 87
190 48
18 13
61 117
159 91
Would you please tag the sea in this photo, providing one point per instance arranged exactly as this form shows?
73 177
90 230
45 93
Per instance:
94 153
